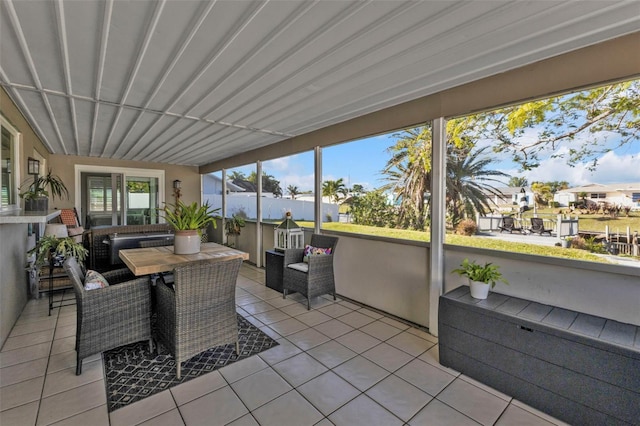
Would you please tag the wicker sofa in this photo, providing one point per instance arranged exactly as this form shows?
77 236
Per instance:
99 252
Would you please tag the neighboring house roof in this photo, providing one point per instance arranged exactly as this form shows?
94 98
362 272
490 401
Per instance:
245 185
230 185
598 187
508 191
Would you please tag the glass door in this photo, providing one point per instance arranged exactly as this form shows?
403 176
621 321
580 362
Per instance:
102 203
106 204
109 196
142 200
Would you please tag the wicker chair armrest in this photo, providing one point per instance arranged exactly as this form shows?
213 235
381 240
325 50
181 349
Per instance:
293 256
117 276
117 294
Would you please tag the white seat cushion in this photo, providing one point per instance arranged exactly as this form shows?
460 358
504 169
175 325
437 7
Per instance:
303 267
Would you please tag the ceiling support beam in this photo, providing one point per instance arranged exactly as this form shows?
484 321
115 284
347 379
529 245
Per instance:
317 188
438 218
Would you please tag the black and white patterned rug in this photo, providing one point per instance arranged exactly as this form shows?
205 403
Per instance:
133 373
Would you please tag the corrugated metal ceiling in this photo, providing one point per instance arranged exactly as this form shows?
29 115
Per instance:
192 82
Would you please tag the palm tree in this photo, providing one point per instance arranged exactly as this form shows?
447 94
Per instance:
408 176
236 175
518 182
293 191
334 189
468 182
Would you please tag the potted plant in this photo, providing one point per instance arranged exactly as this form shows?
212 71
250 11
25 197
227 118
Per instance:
481 277
188 220
51 246
566 242
233 226
36 195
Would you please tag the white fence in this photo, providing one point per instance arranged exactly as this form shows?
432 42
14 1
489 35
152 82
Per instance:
561 226
273 208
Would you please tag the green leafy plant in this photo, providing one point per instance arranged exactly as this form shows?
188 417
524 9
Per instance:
43 186
487 273
234 224
50 245
190 216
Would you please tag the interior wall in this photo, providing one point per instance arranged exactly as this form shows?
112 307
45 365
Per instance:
395 279
64 166
31 143
13 279
604 290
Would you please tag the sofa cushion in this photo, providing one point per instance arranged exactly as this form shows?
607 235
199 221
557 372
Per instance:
314 251
303 267
94 280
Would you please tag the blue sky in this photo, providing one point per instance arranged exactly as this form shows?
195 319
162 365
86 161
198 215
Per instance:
361 162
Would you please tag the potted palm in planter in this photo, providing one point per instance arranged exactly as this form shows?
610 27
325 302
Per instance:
188 220
233 226
481 277
36 195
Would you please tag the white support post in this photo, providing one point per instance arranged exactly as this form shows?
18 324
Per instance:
317 188
224 206
259 215
438 201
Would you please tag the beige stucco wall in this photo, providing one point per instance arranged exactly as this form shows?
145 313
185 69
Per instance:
63 166
13 237
30 143
13 276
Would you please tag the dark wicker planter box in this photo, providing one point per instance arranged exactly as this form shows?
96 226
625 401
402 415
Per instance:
40 204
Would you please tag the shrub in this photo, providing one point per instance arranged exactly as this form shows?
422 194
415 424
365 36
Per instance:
579 243
595 247
467 227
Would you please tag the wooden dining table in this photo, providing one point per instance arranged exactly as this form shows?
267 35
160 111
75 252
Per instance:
154 260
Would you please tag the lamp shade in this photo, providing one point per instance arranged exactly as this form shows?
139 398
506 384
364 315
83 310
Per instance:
59 230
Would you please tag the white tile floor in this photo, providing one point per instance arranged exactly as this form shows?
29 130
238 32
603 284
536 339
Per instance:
337 364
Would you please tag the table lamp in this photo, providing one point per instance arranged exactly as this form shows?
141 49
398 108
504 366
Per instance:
59 230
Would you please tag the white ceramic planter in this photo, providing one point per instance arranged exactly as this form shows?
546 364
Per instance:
186 242
479 290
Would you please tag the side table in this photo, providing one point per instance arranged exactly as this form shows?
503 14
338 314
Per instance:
274 266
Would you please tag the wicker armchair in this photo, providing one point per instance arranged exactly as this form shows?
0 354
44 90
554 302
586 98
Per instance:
109 317
319 277
199 312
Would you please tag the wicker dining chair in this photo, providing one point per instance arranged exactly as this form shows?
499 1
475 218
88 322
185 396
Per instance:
312 278
109 317
199 311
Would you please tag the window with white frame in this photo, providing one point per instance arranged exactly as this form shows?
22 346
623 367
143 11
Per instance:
9 161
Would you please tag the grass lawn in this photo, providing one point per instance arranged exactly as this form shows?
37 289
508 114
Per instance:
473 241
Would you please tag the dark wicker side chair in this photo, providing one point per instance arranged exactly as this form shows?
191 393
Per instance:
199 312
109 317
318 279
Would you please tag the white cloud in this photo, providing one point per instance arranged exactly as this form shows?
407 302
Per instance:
612 168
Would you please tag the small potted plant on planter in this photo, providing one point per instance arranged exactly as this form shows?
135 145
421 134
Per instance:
481 277
51 245
36 195
233 226
188 220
